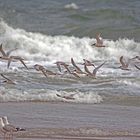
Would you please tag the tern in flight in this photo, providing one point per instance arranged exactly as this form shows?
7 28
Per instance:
77 69
6 53
99 41
7 80
124 65
88 63
93 74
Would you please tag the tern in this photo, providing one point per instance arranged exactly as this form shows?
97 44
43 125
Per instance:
70 97
7 80
93 74
77 69
124 65
88 63
6 53
99 41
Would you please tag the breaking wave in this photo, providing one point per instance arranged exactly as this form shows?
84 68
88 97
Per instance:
40 47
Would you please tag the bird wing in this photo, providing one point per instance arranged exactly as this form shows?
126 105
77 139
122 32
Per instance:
137 67
75 74
99 40
87 70
58 66
44 72
2 51
74 64
97 68
9 61
122 62
5 77
10 51
87 62
23 63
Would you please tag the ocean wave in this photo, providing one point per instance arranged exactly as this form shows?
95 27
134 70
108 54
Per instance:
40 47
71 6
43 95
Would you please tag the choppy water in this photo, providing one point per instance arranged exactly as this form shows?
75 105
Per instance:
47 31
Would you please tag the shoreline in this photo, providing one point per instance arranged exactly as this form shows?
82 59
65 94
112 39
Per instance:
73 121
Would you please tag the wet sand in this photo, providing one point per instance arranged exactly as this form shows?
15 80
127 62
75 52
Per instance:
68 121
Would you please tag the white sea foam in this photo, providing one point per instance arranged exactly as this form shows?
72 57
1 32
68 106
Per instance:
71 6
39 47
43 95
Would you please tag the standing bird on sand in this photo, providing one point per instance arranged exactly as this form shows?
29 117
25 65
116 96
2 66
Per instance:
7 128
93 74
99 41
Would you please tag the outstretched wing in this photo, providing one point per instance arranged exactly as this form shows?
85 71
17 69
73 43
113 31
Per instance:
122 62
97 68
2 51
23 63
137 67
74 64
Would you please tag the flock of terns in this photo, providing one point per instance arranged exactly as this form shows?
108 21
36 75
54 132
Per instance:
63 68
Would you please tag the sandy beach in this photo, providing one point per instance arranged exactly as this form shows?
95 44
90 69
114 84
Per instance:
68 121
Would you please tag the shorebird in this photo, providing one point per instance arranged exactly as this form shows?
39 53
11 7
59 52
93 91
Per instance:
71 72
49 72
66 66
1 128
7 80
7 127
59 64
99 41
16 58
137 67
136 57
93 74
124 65
40 68
70 97
13 58
88 63
6 53
6 56
77 69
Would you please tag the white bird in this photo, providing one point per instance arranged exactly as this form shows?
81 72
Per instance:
1 128
93 74
99 41
124 65
8 128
